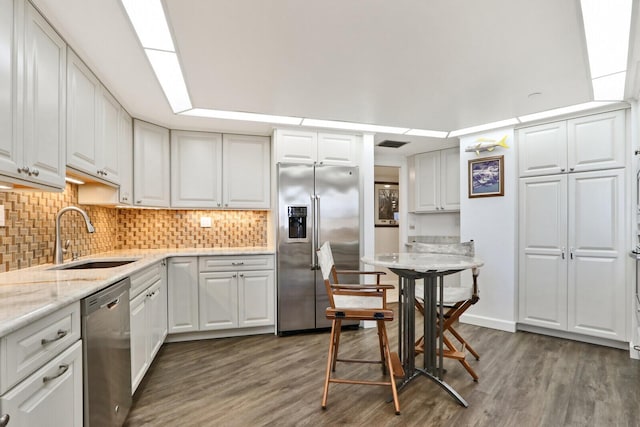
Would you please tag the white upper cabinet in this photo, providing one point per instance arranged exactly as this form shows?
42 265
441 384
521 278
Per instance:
151 179
592 142
32 98
196 169
308 147
435 181
125 157
210 170
246 171
92 123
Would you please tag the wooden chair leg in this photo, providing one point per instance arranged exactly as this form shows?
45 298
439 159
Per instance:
336 344
387 352
381 343
463 341
459 356
330 362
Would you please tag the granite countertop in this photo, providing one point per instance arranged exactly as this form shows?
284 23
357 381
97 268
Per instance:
31 293
423 262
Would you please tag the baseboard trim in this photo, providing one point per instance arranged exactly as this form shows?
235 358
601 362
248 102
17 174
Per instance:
226 333
489 322
622 345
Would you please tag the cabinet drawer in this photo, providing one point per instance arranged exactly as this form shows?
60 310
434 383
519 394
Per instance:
236 263
142 279
27 349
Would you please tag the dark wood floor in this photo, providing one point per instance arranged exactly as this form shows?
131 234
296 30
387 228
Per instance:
525 380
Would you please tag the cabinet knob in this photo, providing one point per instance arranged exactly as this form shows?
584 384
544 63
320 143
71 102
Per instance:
241 275
4 420
234 275
138 201
571 169
35 172
561 169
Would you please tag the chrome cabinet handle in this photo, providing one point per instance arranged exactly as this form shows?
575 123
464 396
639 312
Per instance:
238 263
61 370
138 201
61 334
241 275
35 172
561 169
571 169
24 169
234 275
4 420
571 253
563 252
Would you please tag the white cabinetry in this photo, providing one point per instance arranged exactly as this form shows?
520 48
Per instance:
210 170
182 277
125 157
246 172
586 143
196 169
571 231
32 98
236 291
41 371
222 293
435 182
309 147
148 319
151 174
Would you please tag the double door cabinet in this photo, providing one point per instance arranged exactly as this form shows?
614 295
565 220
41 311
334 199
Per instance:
309 147
97 125
221 292
571 229
32 98
148 315
434 184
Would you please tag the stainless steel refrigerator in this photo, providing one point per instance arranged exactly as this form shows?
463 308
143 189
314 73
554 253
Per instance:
316 203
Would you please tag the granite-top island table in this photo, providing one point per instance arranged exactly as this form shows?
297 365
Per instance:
432 267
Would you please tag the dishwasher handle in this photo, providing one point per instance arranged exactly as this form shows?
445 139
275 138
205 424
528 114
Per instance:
113 304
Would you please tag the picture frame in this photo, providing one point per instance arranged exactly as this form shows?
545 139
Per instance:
486 177
386 195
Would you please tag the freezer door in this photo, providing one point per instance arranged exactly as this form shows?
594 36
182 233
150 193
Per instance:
338 219
296 277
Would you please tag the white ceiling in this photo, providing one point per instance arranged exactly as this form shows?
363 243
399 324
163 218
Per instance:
437 64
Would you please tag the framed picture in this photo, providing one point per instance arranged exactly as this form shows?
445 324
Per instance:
486 177
386 204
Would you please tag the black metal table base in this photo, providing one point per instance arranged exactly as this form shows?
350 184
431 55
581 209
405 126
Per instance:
433 364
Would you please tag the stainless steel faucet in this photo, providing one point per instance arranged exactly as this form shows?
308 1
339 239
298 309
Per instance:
58 251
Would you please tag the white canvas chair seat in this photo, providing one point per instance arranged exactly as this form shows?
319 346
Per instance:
452 294
347 301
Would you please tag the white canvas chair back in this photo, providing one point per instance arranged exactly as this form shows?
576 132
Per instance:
342 299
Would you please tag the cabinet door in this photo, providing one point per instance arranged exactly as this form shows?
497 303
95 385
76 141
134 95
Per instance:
256 294
218 300
157 301
597 142
450 179
336 149
247 172
542 150
427 182
44 106
83 89
150 164
109 113
543 251
183 294
125 157
140 342
296 146
10 157
51 396
196 169
597 300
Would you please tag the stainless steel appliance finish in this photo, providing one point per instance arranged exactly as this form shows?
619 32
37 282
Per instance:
107 356
316 203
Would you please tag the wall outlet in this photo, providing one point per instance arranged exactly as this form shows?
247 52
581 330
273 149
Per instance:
1 215
205 222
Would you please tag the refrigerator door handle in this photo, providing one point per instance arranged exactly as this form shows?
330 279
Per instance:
317 229
313 231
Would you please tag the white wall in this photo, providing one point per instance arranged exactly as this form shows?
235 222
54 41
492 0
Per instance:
491 222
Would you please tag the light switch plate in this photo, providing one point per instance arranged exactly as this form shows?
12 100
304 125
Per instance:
205 221
1 215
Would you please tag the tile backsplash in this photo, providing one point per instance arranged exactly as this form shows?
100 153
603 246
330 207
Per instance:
29 233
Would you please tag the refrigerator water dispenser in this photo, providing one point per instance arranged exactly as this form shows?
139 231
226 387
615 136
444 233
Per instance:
297 222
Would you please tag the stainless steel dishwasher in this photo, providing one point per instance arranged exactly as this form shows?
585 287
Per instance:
107 356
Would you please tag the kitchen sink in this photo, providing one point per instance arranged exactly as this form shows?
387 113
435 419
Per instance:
91 264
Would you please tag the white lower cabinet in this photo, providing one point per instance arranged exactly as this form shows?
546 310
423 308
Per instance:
41 372
215 293
50 396
148 316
